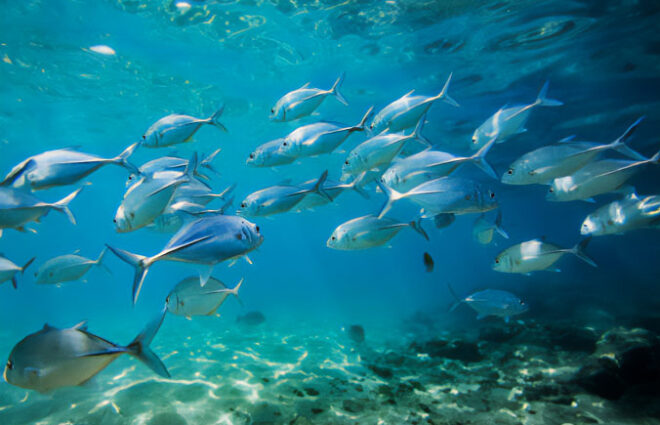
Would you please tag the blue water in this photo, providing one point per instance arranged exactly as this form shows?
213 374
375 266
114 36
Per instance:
600 56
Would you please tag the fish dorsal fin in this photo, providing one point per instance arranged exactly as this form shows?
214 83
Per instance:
82 326
47 327
409 93
77 251
304 86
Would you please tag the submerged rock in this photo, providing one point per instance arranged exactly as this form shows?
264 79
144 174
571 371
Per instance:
625 360
253 318
454 349
356 333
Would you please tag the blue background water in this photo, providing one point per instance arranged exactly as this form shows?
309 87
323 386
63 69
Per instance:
601 57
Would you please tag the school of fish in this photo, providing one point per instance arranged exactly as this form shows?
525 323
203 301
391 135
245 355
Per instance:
394 159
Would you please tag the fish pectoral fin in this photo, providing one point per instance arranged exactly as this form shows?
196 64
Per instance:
180 247
162 188
359 234
247 259
107 352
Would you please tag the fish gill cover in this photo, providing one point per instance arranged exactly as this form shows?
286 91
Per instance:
321 212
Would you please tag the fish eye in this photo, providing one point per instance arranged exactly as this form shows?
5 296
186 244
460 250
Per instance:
492 195
251 156
346 162
144 137
551 189
272 110
114 220
333 238
510 171
167 300
257 229
10 365
497 261
242 204
285 144
132 215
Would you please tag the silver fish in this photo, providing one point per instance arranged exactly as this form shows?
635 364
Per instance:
444 195
596 178
319 138
9 270
66 268
53 358
536 255
304 101
18 208
624 215
368 232
406 111
206 241
281 198
173 163
174 129
189 299
380 150
492 302
509 121
484 229
269 155
544 164
147 199
62 167
406 173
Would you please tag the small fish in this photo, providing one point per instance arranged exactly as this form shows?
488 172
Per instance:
18 208
368 232
189 299
483 229
174 129
443 220
492 302
206 241
62 167
148 198
596 178
319 138
53 358
280 199
175 215
406 173
304 101
252 318
544 164
444 195
380 150
333 189
621 216
66 268
507 122
428 262
9 270
536 255
406 111
172 163
269 155
197 192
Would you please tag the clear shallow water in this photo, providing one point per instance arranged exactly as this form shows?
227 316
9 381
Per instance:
601 59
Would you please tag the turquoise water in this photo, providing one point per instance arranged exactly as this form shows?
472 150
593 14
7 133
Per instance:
601 59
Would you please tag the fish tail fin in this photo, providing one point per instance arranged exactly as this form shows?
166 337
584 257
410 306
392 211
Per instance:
122 159
416 225
63 205
335 89
498 225
141 265
417 132
234 291
206 162
362 125
655 159
458 302
356 185
139 347
479 158
579 251
191 169
30 261
214 120
99 261
620 144
444 94
392 197
542 100
318 186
